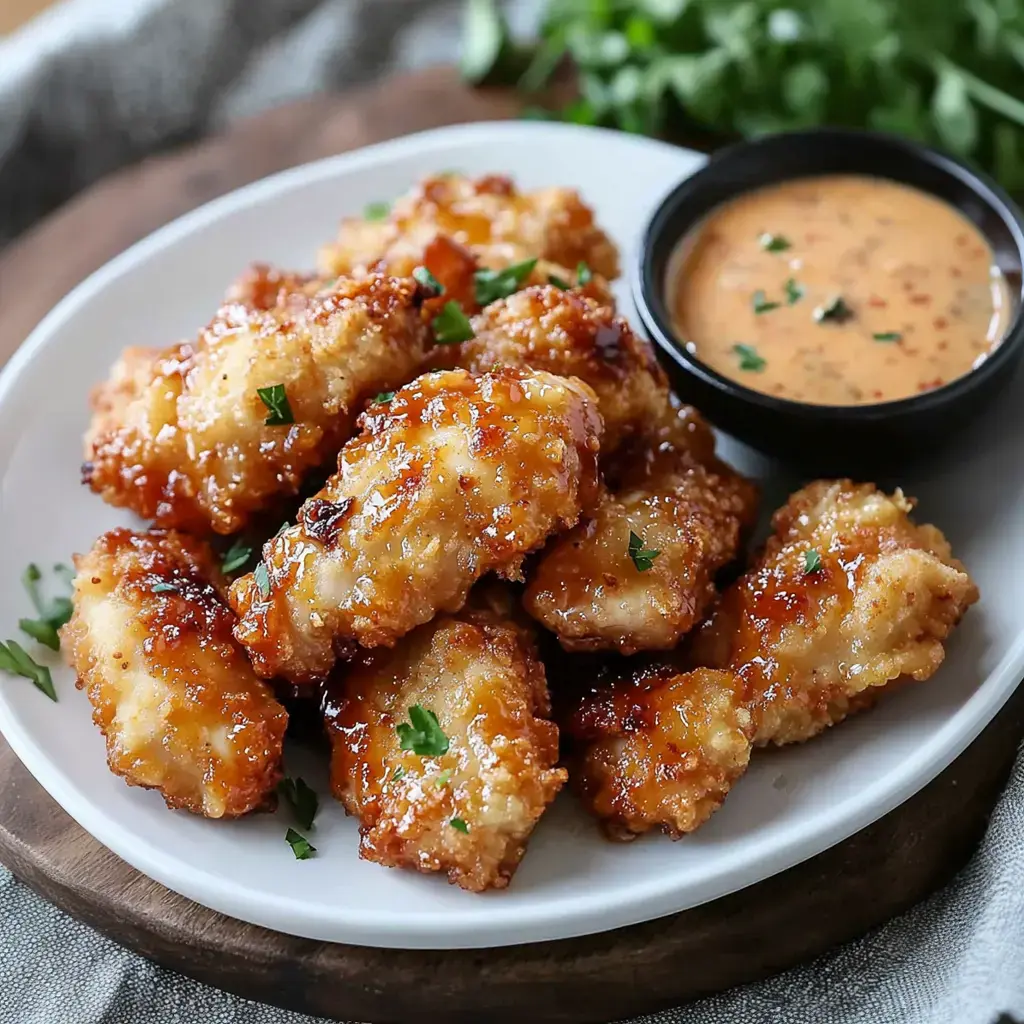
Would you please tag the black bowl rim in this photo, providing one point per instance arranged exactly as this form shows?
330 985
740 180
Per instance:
647 293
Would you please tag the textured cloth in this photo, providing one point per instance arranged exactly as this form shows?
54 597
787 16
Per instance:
101 83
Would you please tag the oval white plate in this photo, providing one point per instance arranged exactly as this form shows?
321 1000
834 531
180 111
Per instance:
788 807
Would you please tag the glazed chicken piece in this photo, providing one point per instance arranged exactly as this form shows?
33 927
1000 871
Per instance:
848 596
264 287
184 437
172 692
455 226
465 797
564 332
639 571
656 748
454 477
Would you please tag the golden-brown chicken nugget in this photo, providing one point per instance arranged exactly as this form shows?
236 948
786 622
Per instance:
657 748
564 332
848 596
172 692
455 476
639 571
442 750
204 435
492 221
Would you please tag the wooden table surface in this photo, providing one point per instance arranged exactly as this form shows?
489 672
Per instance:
784 920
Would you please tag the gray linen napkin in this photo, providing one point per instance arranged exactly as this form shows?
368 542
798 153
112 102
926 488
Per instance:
165 71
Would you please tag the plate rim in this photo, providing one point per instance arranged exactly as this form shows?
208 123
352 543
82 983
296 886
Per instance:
592 912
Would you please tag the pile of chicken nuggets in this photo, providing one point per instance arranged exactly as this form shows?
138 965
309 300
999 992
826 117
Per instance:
502 560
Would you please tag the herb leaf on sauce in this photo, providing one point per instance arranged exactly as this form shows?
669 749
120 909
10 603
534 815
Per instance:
426 280
383 398
444 778
888 336
559 282
261 577
774 243
749 358
584 275
643 558
451 325
761 304
834 311
235 557
812 562
164 588
275 399
424 736
794 291
459 825
398 773
491 285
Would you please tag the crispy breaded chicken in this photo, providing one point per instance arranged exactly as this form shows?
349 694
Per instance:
172 692
656 748
638 573
265 287
455 226
454 477
469 810
848 596
181 436
564 332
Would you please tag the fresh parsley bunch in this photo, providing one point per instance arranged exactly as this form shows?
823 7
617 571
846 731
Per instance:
949 72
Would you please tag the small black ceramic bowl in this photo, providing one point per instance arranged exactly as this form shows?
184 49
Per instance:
826 438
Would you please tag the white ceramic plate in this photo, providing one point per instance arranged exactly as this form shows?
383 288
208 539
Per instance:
788 807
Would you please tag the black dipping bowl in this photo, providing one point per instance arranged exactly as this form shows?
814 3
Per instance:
831 439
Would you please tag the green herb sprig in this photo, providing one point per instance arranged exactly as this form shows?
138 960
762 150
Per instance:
424 736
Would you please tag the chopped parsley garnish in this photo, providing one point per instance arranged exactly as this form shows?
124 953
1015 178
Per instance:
458 823
812 561
444 778
559 282
398 773
52 614
425 278
301 846
451 325
424 736
499 284
584 275
164 588
834 311
383 398
794 291
774 243
761 304
376 211
888 336
262 580
275 399
236 556
749 358
643 558
301 799
16 660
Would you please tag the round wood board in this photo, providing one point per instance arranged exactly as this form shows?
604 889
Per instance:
787 919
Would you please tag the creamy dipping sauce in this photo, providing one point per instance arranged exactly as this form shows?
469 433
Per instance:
838 290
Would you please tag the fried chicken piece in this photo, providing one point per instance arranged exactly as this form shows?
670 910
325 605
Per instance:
656 748
456 476
181 436
564 332
848 596
469 810
172 693
264 287
454 226
638 573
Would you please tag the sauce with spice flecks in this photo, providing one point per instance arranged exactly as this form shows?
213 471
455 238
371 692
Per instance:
839 290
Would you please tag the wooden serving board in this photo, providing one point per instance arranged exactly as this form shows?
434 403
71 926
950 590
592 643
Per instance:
785 920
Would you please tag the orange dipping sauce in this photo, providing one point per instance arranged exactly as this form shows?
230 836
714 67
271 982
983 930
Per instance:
838 290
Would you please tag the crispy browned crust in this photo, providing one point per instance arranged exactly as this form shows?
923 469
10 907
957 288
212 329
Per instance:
586 587
456 476
489 220
480 675
565 332
180 436
175 697
812 647
655 748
